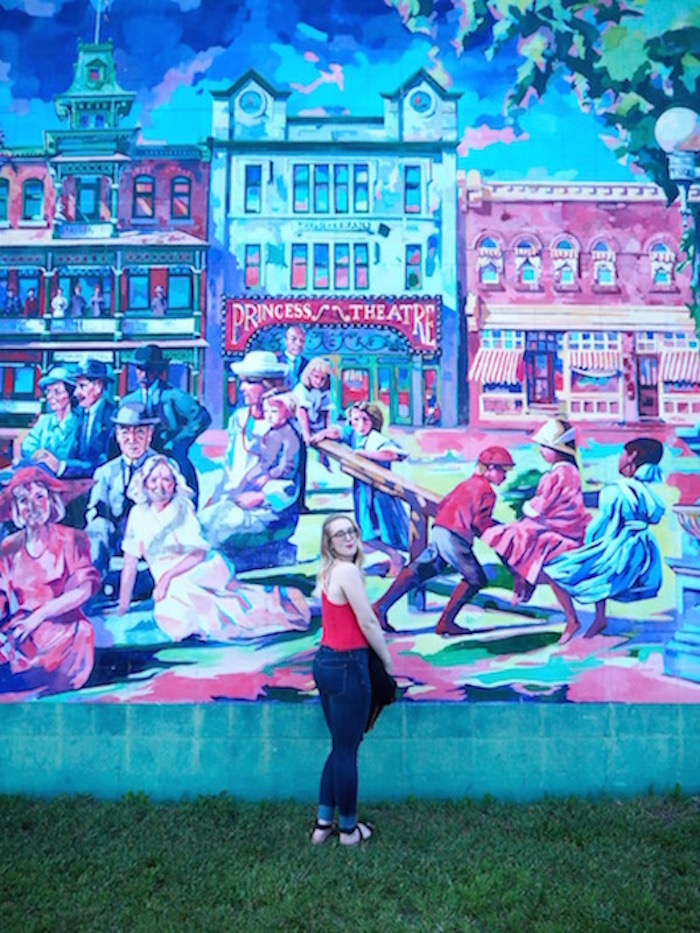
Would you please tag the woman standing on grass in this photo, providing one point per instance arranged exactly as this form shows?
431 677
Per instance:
349 628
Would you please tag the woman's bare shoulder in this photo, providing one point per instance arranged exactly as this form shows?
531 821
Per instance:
344 572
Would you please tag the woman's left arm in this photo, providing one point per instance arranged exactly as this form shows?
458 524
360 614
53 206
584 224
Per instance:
53 609
187 563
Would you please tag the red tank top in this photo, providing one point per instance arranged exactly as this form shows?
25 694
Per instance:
340 630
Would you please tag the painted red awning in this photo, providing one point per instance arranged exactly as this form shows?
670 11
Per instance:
497 366
680 365
595 361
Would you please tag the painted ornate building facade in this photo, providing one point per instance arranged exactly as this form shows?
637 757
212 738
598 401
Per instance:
346 227
575 305
110 222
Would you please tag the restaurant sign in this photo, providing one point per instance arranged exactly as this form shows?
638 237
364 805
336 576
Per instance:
417 319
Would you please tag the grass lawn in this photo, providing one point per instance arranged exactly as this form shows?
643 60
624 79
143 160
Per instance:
217 864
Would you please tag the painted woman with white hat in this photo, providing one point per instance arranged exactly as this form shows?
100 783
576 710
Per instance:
54 432
236 516
554 520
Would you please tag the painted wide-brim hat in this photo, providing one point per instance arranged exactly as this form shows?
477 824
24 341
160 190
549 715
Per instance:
133 415
259 364
94 369
557 435
25 476
57 374
149 356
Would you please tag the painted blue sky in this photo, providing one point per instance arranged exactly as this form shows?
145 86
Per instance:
337 56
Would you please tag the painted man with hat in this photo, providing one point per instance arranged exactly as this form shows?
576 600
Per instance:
46 576
94 436
109 504
55 432
554 520
181 419
463 514
237 516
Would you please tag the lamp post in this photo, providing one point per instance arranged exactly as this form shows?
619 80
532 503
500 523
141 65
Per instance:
677 132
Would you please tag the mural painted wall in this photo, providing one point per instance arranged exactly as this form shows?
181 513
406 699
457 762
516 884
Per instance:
432 266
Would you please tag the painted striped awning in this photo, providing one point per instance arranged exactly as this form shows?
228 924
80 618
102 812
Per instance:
595 361
680 365
497 366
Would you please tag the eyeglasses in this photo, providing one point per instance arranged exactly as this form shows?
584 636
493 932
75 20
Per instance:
347 534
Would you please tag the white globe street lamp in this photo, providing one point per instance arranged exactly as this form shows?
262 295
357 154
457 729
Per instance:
677 132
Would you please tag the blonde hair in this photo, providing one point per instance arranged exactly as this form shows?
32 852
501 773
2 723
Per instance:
327 556
138 490
57 509
282 400
318 364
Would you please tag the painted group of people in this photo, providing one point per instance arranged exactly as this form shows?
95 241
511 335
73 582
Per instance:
555 542
97 482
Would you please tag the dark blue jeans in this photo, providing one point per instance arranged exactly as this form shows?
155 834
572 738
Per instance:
342 678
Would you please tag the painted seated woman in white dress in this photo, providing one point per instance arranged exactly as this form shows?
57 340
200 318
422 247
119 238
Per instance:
195 591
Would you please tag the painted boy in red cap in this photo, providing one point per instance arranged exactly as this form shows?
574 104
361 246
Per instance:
462 515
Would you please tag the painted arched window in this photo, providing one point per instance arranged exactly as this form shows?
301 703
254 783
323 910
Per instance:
180 198
33 200
144 196
489 274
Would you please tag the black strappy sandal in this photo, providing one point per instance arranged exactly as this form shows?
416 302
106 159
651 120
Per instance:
364 831
322 832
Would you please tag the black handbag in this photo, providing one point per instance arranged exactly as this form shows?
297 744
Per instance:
383 688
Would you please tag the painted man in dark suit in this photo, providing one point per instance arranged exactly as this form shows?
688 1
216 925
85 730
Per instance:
293 354
94 439
109 504
181 419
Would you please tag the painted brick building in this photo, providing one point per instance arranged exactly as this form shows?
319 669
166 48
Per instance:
575 305
101 216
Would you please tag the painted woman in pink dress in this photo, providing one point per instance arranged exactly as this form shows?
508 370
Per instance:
195 591
46 643
554 520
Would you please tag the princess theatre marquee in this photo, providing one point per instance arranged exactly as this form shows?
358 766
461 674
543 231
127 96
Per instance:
415 319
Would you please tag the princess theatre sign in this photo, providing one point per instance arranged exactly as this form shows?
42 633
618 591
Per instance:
416 319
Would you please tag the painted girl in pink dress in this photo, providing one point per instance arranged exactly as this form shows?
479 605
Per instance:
554 520
46 576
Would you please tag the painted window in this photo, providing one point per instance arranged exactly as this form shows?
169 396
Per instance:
299 265
179 291
594 340
340 188
566 275
527 274
489 274
180 198
321 189
413 266
33 200
253 189
88 199
361 188
662 260
138 291
341 266
252 266
503 339
321 277
144 196
361 265
489 262
4 199
412 198
604 264
300 181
